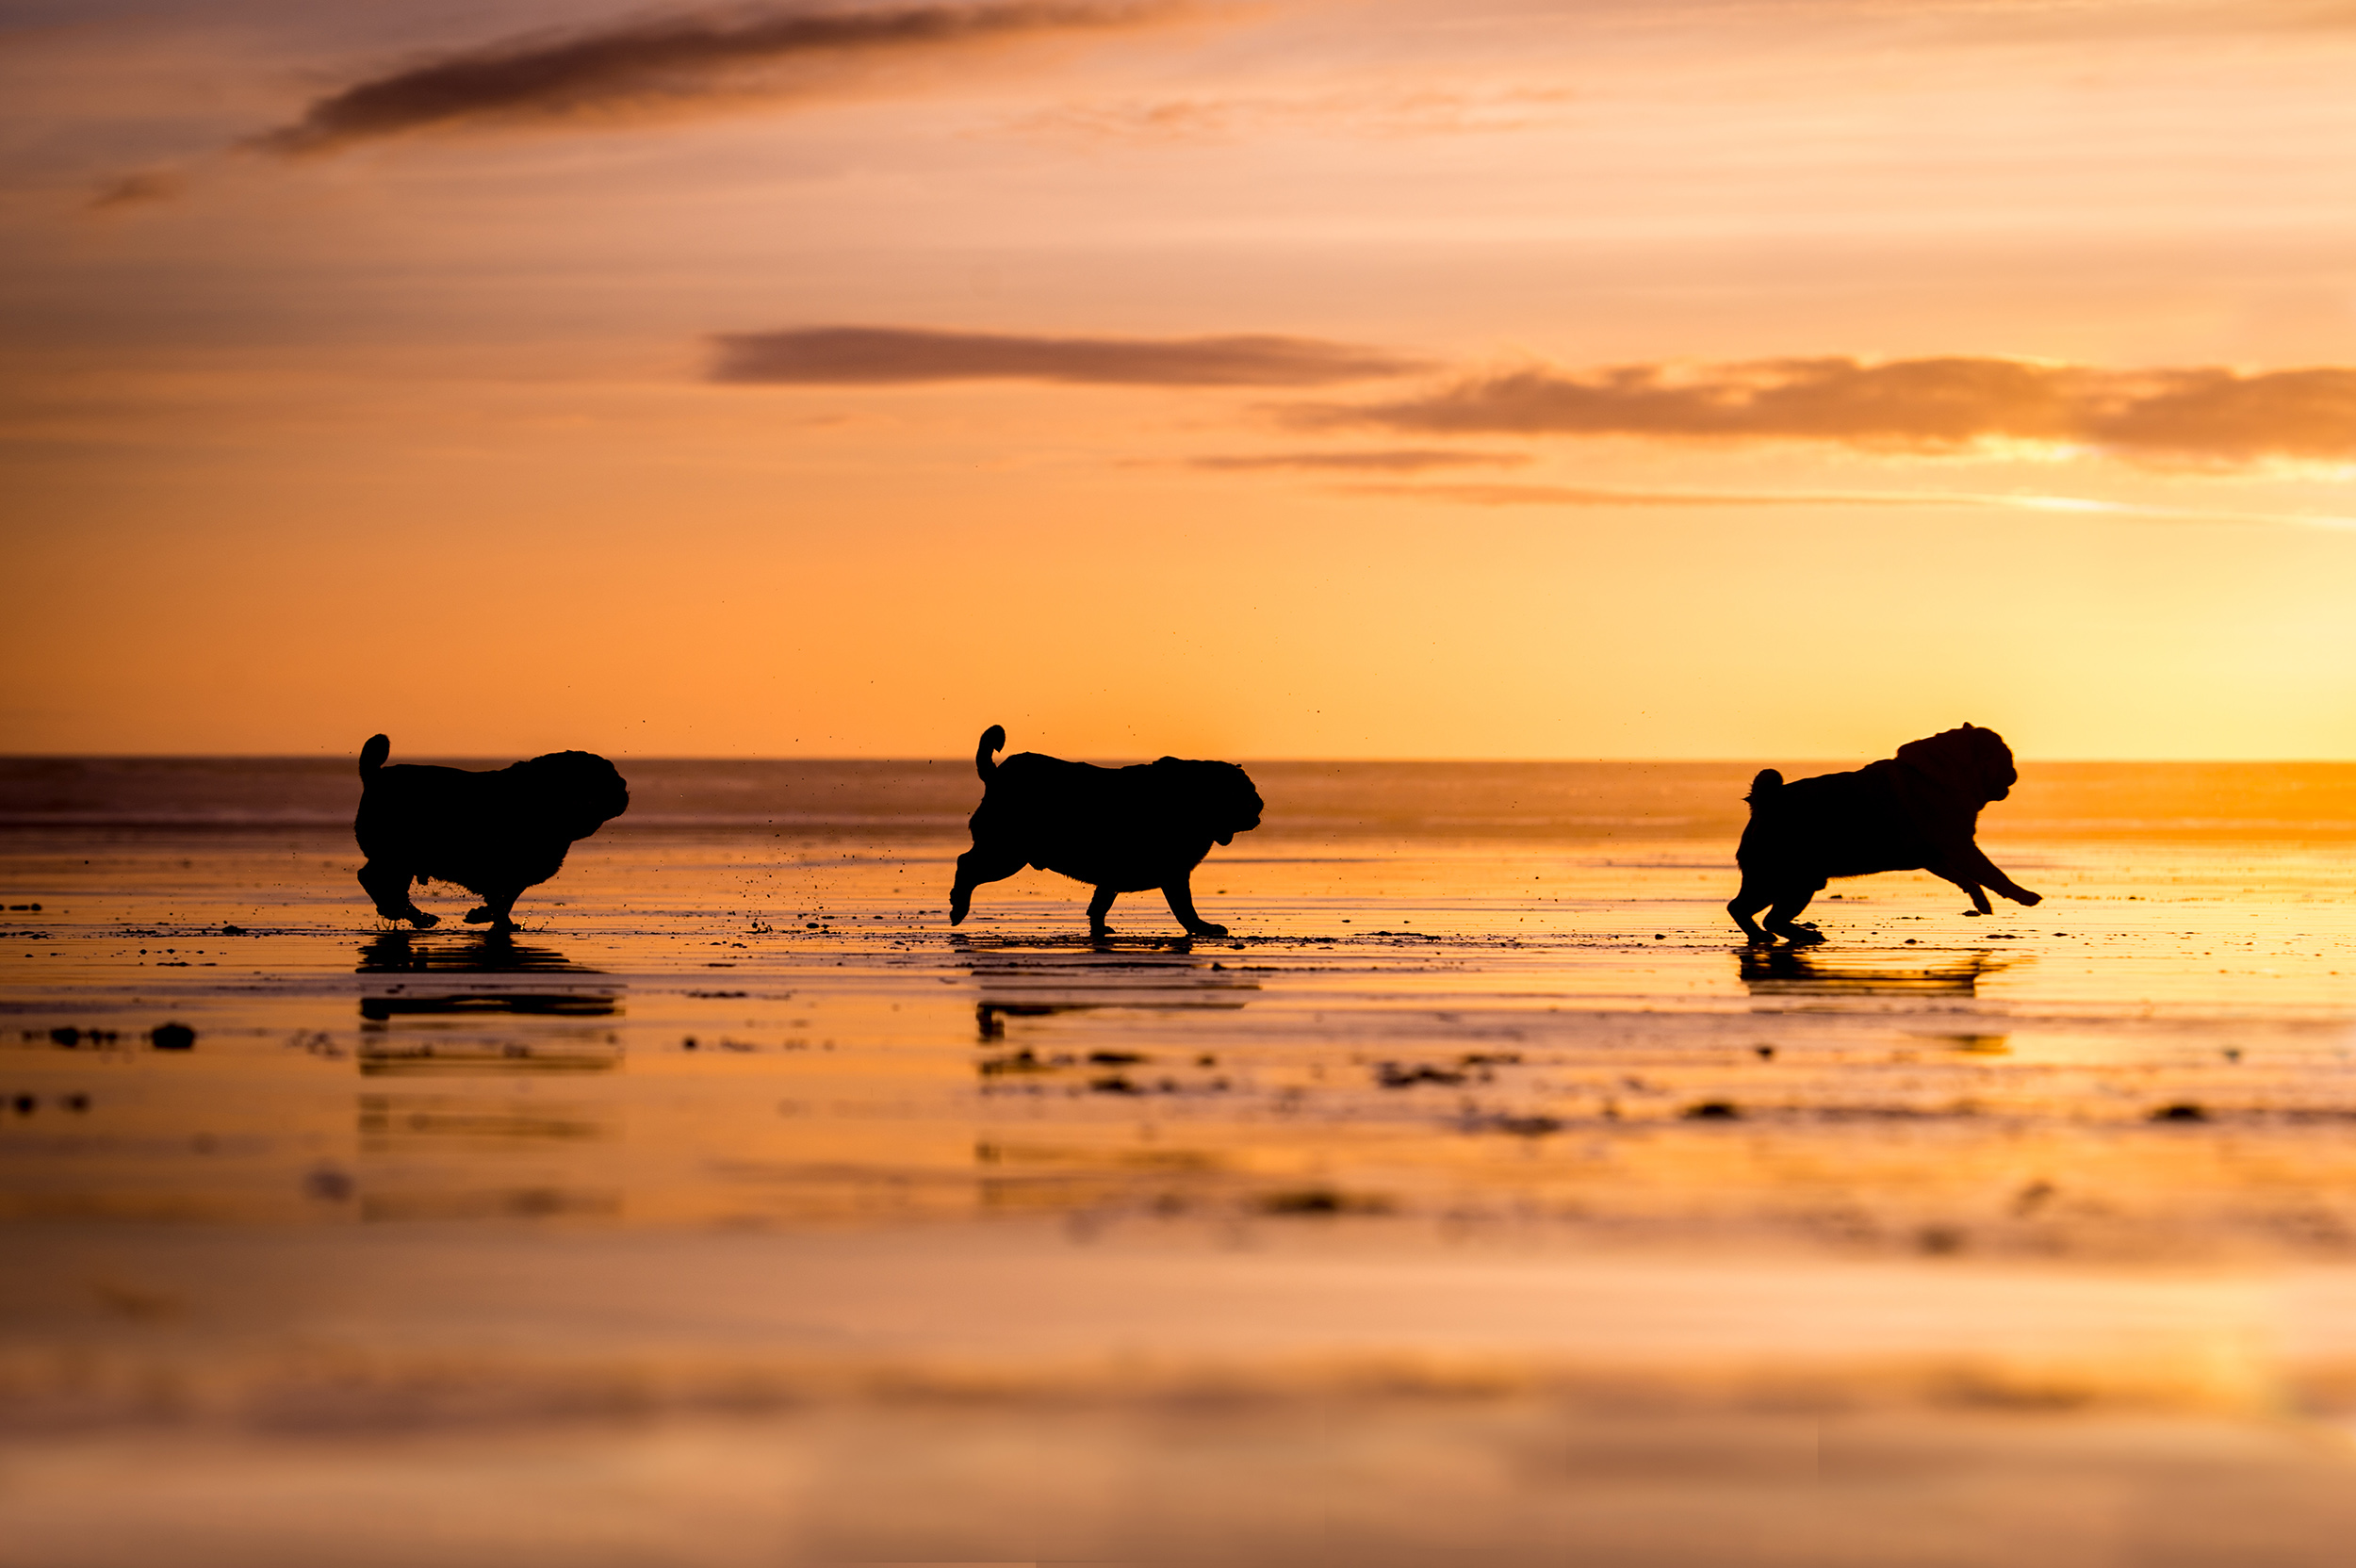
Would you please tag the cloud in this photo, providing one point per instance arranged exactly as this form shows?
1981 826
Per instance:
1406 459
1369 112
674 63
1566 495
136 189
1562 495
2202 414
887 356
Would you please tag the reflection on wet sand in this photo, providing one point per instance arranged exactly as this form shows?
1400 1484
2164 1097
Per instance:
488 953
467 1021
1813 972
1530 1216
1038 980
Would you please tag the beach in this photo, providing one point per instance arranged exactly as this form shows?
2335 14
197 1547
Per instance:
1479 1197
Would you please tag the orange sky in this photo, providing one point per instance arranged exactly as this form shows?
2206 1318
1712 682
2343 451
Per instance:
1782 378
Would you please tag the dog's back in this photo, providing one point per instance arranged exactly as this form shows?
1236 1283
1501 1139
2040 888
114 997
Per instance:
1833 824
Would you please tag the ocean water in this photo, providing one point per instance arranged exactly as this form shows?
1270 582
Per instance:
1481 1125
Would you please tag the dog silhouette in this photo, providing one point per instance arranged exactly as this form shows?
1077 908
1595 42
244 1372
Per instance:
1914 811
1122 829
494 834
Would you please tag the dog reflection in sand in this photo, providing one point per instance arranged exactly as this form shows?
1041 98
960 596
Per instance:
1123 829
1914 811
494 834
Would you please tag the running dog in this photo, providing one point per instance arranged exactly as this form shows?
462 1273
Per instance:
1123 829
494 834
1916 812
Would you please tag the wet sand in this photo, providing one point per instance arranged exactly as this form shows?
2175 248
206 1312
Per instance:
1480 1196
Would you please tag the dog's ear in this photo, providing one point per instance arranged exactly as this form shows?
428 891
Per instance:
1949 758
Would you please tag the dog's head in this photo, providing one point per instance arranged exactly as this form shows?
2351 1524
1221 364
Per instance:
1971 763
580 790
1218 795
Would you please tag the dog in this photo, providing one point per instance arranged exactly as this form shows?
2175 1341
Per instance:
1914 811
1123 829
494 834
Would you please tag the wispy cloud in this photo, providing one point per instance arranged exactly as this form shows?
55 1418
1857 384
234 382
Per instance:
1576 496
2202 414
1572 496
884 356
698 61
136 189
1396 460
1370 112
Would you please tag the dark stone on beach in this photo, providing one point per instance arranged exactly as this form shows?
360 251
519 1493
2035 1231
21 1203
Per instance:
66 1035
1766 1053
25 1103
1712 1110
1322 1201
232 930
75 1101
172 1036
1392 1076
1114 1084
2184 1112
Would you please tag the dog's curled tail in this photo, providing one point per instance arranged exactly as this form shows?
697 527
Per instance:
1767 782
994 741
372 754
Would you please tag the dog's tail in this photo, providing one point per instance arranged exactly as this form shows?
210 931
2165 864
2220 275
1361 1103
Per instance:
372 754
994 741
1766 784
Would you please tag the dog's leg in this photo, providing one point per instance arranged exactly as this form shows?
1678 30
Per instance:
496 909
389 888
1745 905
1964 876
1099 905
974 867
1976 865
1787 909
1181 896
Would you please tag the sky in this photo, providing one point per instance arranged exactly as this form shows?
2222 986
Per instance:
1413 378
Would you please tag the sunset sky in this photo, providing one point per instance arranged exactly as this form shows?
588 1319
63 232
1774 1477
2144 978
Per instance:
1419 378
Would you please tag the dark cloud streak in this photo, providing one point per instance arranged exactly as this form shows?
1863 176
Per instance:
889 356
2202 414
670 63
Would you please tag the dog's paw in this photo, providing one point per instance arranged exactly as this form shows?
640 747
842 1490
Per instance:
1803 936
1206 929
419 919
480 915
2025 897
